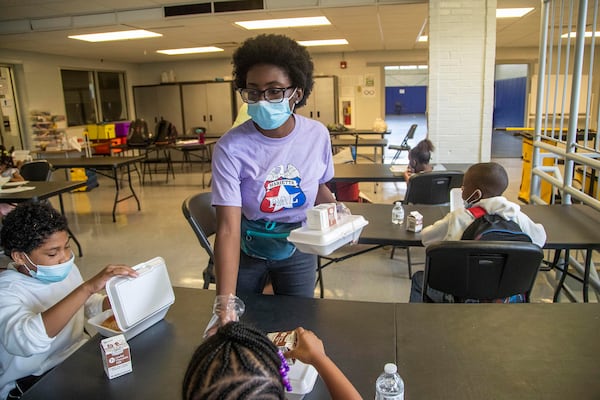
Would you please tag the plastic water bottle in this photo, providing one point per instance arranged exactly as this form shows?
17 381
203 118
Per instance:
397 213
389 385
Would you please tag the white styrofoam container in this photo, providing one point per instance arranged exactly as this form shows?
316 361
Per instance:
323 243
302 378
137 303
398 169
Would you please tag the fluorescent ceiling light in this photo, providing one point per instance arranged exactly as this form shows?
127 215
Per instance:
120 35
423 38
190 50
326 42
512 12
283 23
391 67
408 67
574 34
422 66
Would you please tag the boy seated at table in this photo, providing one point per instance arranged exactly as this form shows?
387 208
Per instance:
483 185
43 298
240 362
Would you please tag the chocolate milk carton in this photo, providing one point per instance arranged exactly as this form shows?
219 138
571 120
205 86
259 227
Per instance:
116 356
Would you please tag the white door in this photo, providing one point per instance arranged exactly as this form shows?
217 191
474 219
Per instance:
194 106
220 108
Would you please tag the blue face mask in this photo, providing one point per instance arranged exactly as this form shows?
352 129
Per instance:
51 273
270 115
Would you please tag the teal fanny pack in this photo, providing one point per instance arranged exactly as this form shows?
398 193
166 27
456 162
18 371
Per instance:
267 240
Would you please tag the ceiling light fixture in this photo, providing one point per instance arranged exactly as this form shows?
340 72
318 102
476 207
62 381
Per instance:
325 42
283 23
190 50
574 34
119 35
512 12
423 38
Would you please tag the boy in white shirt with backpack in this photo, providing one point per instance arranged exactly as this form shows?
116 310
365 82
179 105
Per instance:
483 185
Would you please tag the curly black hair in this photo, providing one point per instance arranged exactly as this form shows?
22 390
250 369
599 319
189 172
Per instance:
278 50
29 225
238 362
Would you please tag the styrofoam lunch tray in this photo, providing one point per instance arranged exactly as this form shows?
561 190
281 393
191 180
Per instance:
323 243
398 169
302 378
137 303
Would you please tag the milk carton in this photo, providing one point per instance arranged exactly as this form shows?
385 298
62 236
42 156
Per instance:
116 356
321 217
414 221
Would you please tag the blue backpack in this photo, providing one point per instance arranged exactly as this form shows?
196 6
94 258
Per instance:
493 227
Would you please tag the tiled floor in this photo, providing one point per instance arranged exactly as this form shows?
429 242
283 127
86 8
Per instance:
160 229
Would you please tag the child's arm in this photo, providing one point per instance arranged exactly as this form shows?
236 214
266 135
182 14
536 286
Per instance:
56 317
310 350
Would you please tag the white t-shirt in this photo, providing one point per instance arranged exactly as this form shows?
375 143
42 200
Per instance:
25 348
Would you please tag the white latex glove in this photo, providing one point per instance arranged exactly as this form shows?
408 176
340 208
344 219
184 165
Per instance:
342 210
226 308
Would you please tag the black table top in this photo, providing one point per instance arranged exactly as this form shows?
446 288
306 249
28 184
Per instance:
499 351
573 226
360 142
94 162
43 190
452 351
373 172
567 226
359 132
160 354
382 231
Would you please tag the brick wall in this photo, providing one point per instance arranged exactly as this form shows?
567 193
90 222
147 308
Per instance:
462 41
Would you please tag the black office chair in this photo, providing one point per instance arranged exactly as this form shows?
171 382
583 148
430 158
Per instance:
432 188
481 270
36 170
404 146
202 217
158 150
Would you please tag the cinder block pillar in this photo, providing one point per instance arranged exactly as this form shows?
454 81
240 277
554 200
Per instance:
462 51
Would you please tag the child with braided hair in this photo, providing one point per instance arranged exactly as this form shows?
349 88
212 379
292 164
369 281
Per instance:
240 362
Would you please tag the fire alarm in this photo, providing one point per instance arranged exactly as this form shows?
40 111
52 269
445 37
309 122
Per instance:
343 64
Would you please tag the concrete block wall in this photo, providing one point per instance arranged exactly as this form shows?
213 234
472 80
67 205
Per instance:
462 41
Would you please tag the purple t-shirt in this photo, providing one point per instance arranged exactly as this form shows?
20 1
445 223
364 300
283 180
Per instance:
275 179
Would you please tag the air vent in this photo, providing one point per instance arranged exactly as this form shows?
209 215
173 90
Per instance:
187 9
238 5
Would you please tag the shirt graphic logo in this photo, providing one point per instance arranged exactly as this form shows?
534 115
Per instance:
282 190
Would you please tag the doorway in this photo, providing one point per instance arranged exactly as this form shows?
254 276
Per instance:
10 132
405 104
510 94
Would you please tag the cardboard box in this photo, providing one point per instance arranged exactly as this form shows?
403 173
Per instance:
122 128
137 303
102 131
323 243
116 356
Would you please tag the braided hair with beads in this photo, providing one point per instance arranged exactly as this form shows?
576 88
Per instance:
238 362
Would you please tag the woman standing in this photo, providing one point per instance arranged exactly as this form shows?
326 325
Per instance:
268 171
